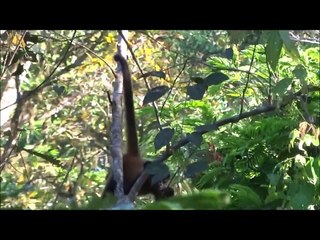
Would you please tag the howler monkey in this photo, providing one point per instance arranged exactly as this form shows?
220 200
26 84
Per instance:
133 164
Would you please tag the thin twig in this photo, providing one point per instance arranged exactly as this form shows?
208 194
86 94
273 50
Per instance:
173 84
248 77
93 53
28 94
270 82
24 166
13 55
61 185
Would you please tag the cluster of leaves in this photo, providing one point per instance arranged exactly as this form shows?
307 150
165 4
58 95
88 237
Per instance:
196 78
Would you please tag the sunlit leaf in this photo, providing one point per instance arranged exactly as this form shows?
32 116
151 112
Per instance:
302 196
17 39
282 85
273 49
289 44
245 197
300 72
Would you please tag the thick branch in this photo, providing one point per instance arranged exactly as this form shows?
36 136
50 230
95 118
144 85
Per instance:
116 129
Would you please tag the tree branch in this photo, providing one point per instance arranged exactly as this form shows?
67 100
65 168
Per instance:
213 127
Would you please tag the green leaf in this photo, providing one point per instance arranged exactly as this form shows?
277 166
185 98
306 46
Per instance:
153 167
208 199
300 72
282 85
215 78
274 179
316 167
197 91
58 89
197 79
194 168
195 138
154 94
289 44
163 138
273 49
302 198
313 170
159 171
237 36
245 197
22 142
97 202
228 53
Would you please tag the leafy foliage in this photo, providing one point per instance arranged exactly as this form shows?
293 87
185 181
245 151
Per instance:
56 117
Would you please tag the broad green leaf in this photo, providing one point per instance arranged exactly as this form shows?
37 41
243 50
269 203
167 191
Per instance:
154 94
316 166
273 49
313 170
302 198
236 36
163 138
153 168
300 72
274 178
289 44
194 168
282 85
159 171
245 197
197 91
215 78
228 53
197 79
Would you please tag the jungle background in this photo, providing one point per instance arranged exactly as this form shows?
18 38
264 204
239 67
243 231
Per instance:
239 112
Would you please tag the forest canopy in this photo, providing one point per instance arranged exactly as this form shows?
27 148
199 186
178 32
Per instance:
232 116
